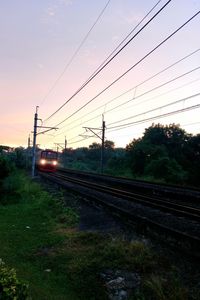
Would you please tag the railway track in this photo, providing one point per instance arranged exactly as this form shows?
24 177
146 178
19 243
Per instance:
164 190
155 202
122 202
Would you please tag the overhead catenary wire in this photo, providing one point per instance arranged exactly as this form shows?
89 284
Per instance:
121 43
149 111
154 117
149 119
155 88
75 142
189 124
149 99
157 108
99 70
75 53
133 66
183 125
136 86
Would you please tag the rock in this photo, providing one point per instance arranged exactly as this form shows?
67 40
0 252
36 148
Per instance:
123 295
115 284
120 283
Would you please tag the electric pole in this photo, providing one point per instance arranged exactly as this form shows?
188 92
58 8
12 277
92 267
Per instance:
102 145
102 138
29 141
34 138
61 145
65 143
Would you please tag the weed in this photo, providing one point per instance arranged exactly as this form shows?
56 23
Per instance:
10 286
165 289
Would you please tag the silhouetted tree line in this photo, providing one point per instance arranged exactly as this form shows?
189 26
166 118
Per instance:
164 153
167 153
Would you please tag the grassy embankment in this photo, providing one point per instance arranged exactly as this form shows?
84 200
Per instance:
38 238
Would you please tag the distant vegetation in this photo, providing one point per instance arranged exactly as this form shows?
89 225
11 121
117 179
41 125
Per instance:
165 153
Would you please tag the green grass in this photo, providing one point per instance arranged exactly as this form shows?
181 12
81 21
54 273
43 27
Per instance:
28 236
39 238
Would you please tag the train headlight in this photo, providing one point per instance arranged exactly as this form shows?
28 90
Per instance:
42 161
54 162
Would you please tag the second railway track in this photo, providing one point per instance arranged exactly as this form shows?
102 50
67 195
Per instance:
192 214
155 202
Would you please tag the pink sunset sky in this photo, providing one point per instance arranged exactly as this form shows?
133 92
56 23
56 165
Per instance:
41 66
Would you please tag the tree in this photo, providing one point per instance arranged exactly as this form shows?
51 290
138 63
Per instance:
94 146
109 145
4 148
166 168
192 161
94 152
162 153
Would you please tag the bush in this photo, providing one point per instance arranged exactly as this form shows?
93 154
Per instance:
6 167
11 287
167 169
157 288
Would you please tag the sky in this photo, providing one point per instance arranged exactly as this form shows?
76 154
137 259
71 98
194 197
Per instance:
50 48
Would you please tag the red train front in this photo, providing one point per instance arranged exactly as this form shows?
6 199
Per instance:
48 161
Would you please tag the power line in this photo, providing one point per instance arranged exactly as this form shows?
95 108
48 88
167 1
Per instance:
174 89
123 41
143 113
75 53
79 141
159 95
85 137
153 118
127 71
99 70
160 107
188 124
138 85
148 119
155 88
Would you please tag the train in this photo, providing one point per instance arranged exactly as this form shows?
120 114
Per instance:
47 160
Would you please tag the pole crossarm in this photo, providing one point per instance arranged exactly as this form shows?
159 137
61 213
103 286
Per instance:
86 136
92 130
35 133
102 138
49 129
60 145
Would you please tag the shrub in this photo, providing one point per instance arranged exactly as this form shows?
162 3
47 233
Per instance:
167 169
11 287
157 288
6 167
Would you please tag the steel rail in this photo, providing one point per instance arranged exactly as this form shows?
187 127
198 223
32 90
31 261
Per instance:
130 183
187 241
154 202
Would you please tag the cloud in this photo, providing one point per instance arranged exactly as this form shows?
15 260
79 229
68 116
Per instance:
66 2
51 11
49 14
40 66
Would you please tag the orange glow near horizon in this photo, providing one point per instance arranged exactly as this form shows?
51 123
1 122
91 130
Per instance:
40 38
